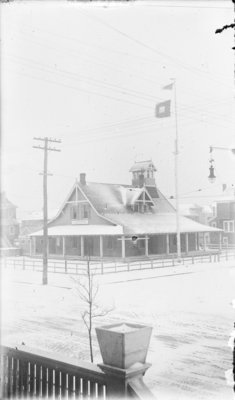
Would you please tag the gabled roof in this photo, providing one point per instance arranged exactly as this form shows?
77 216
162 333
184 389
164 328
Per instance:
142 166
108 197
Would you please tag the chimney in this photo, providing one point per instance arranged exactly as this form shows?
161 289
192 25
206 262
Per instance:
83 178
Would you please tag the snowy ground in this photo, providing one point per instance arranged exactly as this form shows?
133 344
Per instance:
189 307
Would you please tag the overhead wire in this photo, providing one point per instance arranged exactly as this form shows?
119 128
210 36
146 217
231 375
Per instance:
153 49
125 91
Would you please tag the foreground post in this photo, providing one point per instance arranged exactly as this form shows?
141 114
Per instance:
124 349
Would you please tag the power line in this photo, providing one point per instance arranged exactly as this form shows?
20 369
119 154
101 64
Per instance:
124 91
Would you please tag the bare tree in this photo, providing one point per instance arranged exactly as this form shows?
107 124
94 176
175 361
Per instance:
88 290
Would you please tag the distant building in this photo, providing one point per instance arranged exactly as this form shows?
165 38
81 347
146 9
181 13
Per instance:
9 223
198 213
224 217
119 220
31 222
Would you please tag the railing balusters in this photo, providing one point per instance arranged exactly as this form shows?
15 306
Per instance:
37 380
31 379
57 384
27 375
63 384
70 385
93 389
9 377
14 376
81 388
43 381
50 382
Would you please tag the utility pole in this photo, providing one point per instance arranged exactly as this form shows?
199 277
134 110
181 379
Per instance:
178 241
45 148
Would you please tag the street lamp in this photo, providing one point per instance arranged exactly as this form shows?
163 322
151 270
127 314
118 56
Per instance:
212 176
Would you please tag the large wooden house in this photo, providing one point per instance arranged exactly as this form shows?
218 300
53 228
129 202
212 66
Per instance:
115 220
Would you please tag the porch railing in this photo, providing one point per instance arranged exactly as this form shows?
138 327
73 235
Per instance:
26 373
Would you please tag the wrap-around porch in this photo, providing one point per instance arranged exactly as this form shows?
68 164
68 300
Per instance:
119 246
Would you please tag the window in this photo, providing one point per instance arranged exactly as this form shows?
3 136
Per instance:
80 211
85 211
225 240
213 224
228 226
74 212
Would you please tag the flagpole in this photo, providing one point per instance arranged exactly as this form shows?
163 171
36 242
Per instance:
177 178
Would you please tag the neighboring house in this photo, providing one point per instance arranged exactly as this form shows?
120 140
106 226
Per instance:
9 223
198 213
31 222
116 220
224 218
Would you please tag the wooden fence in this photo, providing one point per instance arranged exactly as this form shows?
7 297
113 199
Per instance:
78 267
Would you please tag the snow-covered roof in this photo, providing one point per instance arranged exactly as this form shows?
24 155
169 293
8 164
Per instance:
81 230
108 197
138 223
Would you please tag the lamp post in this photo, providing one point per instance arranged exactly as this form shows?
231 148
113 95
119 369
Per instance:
212 176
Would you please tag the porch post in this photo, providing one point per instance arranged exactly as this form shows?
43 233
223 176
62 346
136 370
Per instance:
146 245
220 241
34 245
30 246
63 244
167 244
196 241
123 247
82 246
186 243
204 240
48 245
101 247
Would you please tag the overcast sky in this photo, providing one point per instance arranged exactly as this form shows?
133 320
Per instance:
92 74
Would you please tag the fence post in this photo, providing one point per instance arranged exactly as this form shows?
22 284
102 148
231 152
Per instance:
128 266
65 266
192 260
23 263
210 258
218 257
173 260
151 263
